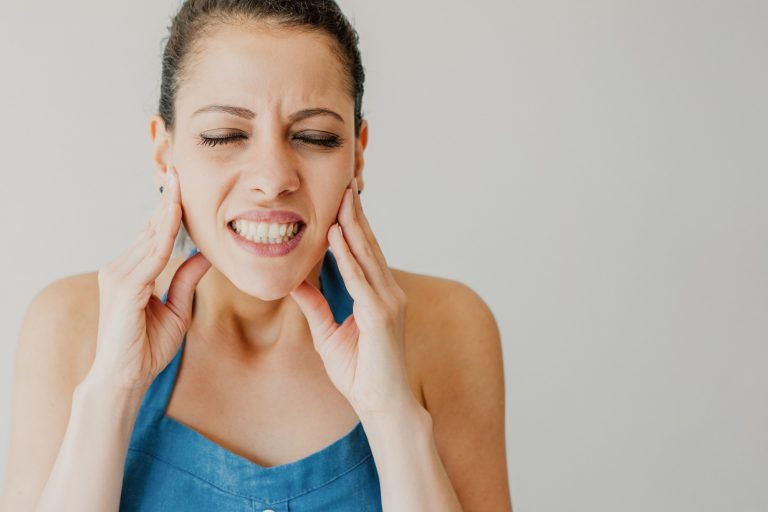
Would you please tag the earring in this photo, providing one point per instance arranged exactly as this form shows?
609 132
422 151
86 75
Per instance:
161 189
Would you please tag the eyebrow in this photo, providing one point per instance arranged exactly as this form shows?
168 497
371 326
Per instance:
249 114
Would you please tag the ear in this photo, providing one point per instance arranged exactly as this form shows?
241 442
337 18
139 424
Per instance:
161 151
360 143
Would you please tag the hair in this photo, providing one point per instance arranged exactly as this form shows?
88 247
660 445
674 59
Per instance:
196 17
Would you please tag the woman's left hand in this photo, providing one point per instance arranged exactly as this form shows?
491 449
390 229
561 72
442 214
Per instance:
365 355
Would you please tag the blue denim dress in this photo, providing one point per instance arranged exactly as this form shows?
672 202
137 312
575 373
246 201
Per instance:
170 466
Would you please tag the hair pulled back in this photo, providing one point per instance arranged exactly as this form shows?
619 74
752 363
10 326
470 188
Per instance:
195 16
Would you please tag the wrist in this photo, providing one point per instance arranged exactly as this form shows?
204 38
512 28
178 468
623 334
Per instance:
114 381
407 414
398 435
99 394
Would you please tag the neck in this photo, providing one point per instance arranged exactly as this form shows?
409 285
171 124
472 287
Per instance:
245 326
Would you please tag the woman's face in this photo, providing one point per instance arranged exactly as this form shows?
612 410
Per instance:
247 87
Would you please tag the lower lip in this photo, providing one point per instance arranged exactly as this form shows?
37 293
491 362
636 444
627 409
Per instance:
280 249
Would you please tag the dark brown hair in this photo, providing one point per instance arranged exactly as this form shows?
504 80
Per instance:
195 16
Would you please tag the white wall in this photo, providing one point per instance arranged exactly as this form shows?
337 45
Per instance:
596 170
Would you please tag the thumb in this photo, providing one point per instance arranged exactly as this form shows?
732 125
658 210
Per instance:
182 287
316 309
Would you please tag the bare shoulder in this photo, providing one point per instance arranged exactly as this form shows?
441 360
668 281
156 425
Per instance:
446 322
63 319
438 306
59 324
455 334
49 362
449 292
55 350
453 338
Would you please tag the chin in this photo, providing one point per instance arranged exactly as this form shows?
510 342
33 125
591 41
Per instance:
267 278
267 285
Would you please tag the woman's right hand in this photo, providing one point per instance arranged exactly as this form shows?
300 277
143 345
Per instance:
138 335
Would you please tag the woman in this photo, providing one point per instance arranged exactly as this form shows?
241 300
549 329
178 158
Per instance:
275 366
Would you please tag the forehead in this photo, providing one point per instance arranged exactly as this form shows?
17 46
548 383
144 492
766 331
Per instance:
252 64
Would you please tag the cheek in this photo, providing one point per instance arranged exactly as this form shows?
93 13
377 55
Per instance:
200 202
327 194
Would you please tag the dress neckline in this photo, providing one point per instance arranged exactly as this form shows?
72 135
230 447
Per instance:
159 395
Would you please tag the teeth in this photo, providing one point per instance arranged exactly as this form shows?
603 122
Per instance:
264 232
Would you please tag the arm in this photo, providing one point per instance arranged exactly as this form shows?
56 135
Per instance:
59 429
365 359
88 472
456 449
411 474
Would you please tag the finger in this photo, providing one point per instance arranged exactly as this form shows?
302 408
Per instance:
358 243
182 287
141 246
175 193
353 275
316 310
142 243
363 220
160 245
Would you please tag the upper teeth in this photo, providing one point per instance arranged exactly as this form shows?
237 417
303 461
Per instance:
265 232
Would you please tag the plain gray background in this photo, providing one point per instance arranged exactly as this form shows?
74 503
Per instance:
595 170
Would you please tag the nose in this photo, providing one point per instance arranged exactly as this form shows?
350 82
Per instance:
271 170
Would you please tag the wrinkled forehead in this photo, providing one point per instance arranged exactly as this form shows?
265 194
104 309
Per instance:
262 67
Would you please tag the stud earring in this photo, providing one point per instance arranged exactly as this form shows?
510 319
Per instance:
161 189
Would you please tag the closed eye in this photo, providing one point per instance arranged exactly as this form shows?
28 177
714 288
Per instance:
214 141
328 142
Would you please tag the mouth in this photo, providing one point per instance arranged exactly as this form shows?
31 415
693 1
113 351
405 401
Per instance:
268 233
267 238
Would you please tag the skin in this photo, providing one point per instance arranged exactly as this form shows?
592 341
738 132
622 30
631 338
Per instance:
247 326
255 354
244 299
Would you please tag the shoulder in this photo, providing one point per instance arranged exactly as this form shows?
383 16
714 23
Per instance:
50 360
58 323
55 349
448 322
455 342
441 296
61 322
451 335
